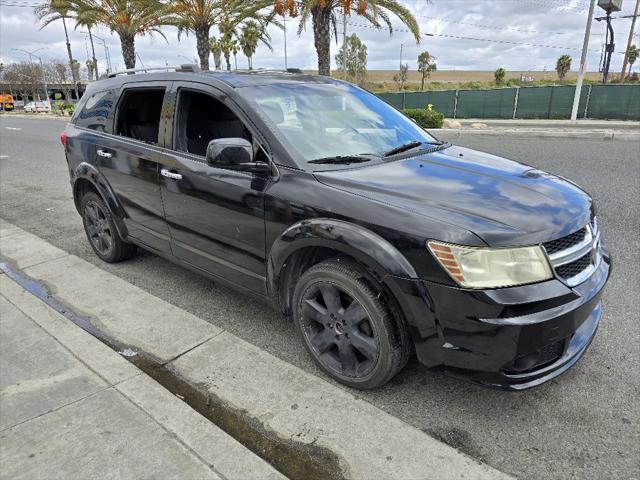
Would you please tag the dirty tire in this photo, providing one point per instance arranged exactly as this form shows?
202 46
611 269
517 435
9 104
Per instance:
346 326
101 230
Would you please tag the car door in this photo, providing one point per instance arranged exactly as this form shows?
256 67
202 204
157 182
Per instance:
130 159
215 215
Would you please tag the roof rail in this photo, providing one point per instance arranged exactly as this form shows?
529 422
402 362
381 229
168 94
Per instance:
178 68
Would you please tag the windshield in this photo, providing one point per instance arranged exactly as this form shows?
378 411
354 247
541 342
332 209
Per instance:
328 120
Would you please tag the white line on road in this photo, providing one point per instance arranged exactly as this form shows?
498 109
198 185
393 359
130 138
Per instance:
4 156
13 128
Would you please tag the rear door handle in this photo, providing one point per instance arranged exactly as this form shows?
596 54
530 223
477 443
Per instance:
166 173
102 153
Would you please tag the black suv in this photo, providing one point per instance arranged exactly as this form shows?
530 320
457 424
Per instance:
375 238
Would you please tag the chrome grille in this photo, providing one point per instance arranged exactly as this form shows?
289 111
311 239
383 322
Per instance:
574 268
576 256
565 242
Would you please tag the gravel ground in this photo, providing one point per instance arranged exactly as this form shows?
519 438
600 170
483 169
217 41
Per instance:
584 424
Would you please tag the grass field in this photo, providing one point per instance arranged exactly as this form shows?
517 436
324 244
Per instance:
382 80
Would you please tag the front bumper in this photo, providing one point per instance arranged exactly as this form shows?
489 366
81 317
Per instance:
510 338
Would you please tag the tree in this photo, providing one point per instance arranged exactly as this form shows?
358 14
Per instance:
401 77
52 11
127 18
632 56
324 16
499 75
252 34
57 73
25 77
352 59
87 21
563 65
199 16
215 48
426 65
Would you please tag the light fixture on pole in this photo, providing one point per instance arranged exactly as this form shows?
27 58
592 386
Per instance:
608 6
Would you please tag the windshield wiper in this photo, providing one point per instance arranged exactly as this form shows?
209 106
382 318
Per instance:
341 160
433 146
402 148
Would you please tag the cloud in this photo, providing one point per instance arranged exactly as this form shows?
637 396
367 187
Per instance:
534 22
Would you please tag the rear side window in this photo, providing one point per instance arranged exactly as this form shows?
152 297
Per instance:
138 115
95 111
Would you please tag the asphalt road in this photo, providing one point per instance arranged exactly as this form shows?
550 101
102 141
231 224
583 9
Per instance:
584 424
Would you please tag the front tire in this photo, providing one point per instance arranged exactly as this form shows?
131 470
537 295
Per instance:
101 230
346 326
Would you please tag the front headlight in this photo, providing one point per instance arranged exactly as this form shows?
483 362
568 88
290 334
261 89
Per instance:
479 267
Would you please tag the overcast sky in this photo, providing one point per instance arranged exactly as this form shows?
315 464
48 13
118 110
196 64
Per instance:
533 25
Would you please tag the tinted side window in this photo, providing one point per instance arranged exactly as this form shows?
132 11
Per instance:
95 111
200 119
138 115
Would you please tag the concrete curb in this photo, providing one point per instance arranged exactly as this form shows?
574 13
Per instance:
40 116
540 133
283 399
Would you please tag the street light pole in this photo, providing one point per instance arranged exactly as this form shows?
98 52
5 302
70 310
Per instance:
44 77
626 52
583 63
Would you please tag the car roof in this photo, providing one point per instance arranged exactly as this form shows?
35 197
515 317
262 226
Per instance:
233 79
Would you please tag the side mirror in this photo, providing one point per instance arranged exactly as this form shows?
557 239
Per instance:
229 152
234 154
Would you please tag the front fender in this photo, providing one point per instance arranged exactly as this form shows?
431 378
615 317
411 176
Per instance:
386 262
88 172
358 242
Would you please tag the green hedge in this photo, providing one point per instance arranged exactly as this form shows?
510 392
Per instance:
425 118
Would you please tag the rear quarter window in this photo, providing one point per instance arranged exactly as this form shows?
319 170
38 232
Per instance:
96 111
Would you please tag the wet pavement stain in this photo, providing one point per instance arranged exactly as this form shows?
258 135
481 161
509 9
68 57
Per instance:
296 460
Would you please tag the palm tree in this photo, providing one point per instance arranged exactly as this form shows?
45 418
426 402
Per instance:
87 21
199 16
215 47
52 11
127 18
632 56
563 65
252 34
324 16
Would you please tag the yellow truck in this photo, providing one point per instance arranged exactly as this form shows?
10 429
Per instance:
6 102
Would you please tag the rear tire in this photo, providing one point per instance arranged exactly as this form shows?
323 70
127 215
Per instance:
346 326
101 230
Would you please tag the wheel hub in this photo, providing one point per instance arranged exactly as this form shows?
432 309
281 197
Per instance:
339 329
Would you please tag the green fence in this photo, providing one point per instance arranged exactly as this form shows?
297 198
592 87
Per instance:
596 101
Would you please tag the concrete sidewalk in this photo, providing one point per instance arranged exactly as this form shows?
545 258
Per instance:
587 129
306 417
73 408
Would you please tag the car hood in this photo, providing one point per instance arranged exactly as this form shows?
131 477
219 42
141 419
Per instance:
501 201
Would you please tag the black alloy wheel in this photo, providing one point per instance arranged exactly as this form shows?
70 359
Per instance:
339 330
346 326
98 228
101 230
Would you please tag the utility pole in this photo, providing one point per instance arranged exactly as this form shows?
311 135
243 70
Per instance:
344 44
401 45
284 22
626 57
583 63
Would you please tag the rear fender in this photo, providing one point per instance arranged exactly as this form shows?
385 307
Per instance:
86 171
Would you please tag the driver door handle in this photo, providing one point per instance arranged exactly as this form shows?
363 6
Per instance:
102 153
166 173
